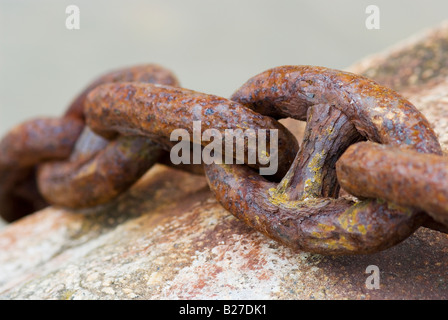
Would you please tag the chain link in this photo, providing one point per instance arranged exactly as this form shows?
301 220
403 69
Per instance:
120 126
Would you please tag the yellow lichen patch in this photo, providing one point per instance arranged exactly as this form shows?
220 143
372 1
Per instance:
282 200
264 156
281 187
333 244
349 220
311 188
315 163
316 234
362 229
313 185
345 243
278 198
324 229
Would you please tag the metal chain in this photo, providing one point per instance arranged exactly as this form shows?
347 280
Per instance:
120 126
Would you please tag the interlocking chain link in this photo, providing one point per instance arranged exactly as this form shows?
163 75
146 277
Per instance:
120 126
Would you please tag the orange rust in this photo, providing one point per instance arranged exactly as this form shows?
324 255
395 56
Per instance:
370 170
303 211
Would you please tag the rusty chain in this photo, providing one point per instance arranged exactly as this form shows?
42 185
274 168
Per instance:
120 125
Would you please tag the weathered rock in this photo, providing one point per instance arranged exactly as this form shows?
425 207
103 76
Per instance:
167 238
418 69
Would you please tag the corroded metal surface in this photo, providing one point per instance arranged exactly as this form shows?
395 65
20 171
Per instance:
406 178
93 178
99 171
148 73
378 113
21 150
156 111
88 178
138 118
303 210
340 108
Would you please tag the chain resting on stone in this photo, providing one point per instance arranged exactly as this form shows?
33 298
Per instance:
361 136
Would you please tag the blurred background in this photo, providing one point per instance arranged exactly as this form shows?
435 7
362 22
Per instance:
212 46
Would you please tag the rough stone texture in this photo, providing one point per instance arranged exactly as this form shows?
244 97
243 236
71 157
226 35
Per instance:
418 69
167 238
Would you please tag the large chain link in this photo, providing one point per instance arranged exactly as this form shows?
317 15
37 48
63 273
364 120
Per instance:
120 126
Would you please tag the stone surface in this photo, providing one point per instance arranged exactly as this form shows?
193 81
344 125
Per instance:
418 69
167 238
